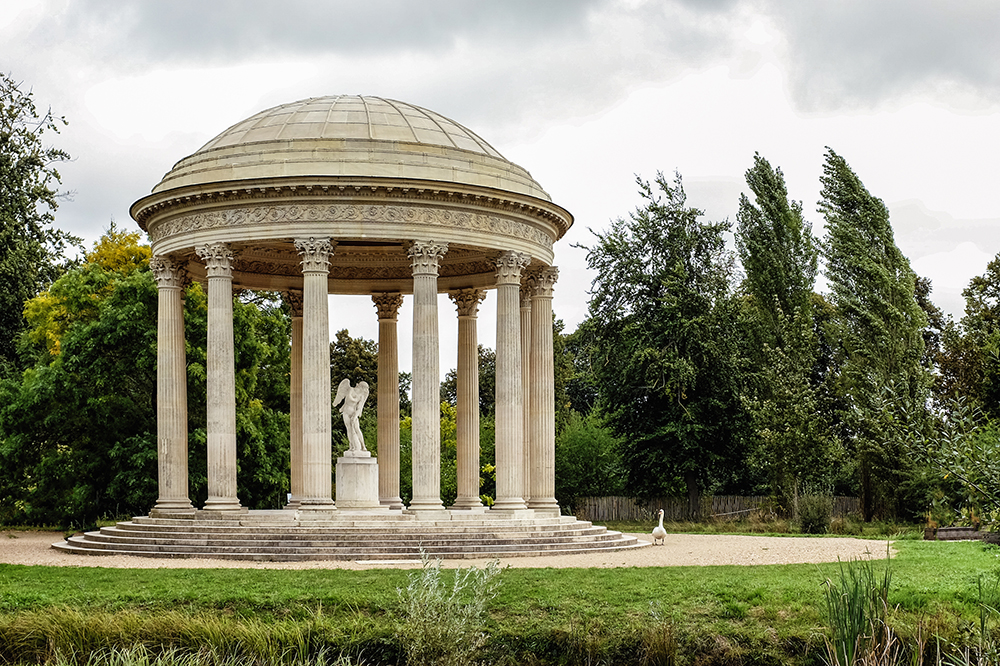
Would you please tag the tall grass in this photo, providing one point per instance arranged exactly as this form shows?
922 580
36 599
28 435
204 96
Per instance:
856 606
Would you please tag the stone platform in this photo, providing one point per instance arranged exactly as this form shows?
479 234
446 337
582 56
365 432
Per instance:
290 536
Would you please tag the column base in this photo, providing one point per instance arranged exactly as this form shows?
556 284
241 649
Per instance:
157 512
548 506
392 502
509 504
228 504
467 503
439 513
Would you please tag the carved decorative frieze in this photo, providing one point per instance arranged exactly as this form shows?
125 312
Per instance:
168 274
467 301
387 304
425 256
218 258
294 298
315 253
509 266
405 216
544 281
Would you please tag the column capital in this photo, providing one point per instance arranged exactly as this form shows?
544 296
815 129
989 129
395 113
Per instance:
294 298
387 304
544 280
425 256
527 290
218 258
168 273
467 301
509 266
315 253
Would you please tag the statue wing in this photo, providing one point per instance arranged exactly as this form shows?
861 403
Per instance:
362 389
342 391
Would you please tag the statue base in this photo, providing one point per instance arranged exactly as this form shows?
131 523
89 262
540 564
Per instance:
357 482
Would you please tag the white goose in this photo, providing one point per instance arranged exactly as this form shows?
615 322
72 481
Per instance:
659 534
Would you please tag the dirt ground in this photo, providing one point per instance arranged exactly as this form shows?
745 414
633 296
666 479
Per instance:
35 548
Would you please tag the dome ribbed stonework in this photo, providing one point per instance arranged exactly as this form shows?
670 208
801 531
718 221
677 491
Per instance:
371 174
351 135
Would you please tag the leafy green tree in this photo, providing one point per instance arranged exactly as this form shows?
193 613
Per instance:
487 359
879 330
970 360
664 349
78 431
588 461
780 256
31 250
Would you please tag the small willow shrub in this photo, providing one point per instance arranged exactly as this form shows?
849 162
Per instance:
442 621
814 513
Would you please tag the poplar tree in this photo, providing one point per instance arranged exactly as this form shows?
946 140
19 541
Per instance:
879 326
780 257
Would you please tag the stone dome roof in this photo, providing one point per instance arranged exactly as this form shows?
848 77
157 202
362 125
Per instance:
350 136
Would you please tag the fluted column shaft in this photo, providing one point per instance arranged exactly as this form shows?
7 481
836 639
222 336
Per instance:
527 287
295 401
509 407
171 389
388 400
543 422
317 471
425 257
467 386
220 379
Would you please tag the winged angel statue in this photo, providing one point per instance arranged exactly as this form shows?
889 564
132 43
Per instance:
354 398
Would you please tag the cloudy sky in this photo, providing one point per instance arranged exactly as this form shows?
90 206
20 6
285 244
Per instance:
585 94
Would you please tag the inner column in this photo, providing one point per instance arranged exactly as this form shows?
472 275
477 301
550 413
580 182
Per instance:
509 406
317 469
220 379
171 390
387 306
467 385
295 400
425 257
543 419
527 287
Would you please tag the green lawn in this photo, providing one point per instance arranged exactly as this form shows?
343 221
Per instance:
724 614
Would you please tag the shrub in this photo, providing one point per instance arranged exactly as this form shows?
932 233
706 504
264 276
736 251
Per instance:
814 513
442 624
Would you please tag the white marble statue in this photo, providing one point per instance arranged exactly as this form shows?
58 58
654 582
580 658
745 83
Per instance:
354 398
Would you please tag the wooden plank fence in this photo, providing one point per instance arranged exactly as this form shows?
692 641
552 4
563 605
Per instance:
719 507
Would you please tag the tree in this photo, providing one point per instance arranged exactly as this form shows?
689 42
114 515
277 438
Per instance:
780 257
878 326
78 431
663 340
30 249
487 359
970 362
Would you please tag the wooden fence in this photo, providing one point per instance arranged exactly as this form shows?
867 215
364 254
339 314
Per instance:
720 507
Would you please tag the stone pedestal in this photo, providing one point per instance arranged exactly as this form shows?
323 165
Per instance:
357 481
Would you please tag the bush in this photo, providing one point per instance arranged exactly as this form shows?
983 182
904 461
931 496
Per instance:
814 513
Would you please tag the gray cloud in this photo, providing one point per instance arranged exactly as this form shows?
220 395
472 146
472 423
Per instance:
860 54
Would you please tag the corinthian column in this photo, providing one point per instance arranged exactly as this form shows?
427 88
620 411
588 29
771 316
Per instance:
317 472
543 422
295 400
171 390
509 407
220 379
527 288
467 435
425 257
387 306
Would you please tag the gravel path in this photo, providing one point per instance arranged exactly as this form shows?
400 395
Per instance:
679 550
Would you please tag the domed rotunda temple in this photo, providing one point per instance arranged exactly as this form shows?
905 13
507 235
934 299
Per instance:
358 195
